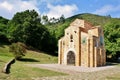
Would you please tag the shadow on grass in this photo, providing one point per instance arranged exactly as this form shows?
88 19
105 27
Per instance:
46 52
2 44
28 60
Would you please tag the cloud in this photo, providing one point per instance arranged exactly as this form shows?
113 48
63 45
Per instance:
49 1
58 10
6 6
107 9
9 7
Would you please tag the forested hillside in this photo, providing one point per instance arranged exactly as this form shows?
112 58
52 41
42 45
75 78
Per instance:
43 34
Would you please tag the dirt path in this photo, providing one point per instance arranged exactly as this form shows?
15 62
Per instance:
78 73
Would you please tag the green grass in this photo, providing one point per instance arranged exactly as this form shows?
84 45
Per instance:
20 71
41 57
114 77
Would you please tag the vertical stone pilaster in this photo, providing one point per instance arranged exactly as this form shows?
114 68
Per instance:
95 57
100 57
88 52
60 52
104 52
103 56
78 54
91 52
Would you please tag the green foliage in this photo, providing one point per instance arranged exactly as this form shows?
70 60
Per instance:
3 29
112 38
22 25
26 27
18 50
3 20
62 19
60 30
44 19
92 18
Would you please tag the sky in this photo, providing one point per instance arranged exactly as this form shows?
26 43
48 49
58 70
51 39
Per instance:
56 8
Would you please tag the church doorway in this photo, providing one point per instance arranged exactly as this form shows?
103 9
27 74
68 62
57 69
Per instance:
71 58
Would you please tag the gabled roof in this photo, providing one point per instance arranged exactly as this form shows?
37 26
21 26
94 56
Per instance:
82 23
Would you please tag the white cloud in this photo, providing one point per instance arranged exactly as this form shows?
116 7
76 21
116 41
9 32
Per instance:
57 11
6 6
49 1
9 7
107 9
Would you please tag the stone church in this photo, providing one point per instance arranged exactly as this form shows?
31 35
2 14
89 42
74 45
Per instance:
82 45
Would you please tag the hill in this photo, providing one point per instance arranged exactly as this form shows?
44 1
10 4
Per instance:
94 19
58 28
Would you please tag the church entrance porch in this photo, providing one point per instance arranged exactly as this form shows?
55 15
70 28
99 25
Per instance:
71 58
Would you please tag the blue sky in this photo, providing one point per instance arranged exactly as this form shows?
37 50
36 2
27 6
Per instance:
55 8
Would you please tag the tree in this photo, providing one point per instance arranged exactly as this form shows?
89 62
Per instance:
44 19
26 27
20 23
3 29
53 20
18 50
112 38
62 19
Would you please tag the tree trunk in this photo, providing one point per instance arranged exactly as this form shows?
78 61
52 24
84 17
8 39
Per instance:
7 67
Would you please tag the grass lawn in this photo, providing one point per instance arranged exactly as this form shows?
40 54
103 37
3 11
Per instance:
20 71
114 76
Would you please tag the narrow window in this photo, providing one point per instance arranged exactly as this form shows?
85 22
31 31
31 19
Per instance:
71 38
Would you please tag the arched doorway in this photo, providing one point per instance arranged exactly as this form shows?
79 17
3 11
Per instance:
71 58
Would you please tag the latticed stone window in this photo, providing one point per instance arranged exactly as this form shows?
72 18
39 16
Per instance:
83 41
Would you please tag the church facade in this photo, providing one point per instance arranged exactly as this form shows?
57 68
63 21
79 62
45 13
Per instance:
82 45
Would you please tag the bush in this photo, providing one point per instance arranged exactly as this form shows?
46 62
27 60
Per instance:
18 49
112 38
